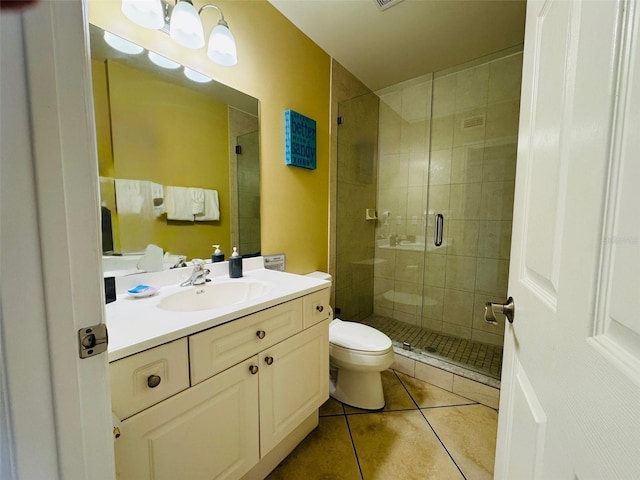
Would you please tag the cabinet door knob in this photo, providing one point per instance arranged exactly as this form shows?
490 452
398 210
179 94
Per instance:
253 369
261 334
153 381
268 360
319 308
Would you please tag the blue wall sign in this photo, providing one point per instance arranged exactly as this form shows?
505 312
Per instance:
300 140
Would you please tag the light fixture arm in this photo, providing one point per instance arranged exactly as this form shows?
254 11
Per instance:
222 20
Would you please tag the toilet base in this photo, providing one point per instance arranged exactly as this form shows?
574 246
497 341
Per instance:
358 389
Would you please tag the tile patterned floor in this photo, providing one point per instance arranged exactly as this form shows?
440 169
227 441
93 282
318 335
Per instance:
424 432
480 357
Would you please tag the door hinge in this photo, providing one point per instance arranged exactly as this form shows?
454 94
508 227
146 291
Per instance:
238 150
340 120
92 340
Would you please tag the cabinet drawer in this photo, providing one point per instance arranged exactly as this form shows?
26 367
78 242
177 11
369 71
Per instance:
133 378
316 307
221 347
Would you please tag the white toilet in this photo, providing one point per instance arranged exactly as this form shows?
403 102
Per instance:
357 354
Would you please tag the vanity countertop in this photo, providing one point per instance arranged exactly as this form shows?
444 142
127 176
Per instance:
137 324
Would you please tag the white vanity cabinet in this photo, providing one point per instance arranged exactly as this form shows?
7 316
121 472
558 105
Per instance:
294 382
256 385
208 431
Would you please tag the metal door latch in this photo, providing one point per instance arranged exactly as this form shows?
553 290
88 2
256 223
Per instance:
507 309
92 340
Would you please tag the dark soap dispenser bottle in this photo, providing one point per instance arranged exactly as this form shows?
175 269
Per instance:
235 264
217 255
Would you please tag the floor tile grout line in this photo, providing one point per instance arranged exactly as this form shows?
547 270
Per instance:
431 426
353 445
442 443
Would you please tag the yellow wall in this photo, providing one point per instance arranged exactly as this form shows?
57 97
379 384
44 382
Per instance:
284 69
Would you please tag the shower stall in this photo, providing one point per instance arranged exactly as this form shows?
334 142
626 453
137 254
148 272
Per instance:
425 181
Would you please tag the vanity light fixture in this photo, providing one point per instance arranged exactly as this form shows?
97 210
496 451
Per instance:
185 26
222 46
196 76
161 61
122 45
146 13
182 22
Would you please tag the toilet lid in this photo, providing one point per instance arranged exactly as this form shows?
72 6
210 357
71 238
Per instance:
356 336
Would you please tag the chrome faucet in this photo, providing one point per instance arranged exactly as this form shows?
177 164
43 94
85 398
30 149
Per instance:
199 274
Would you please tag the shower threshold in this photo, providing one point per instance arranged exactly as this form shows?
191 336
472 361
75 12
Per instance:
474 360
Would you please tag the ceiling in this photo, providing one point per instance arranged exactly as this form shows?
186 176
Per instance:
408 39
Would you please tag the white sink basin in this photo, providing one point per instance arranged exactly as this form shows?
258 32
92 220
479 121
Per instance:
215 295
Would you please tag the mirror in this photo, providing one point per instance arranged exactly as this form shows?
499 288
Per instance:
165 143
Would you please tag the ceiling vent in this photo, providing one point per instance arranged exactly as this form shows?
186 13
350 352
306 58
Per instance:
384 4
473 122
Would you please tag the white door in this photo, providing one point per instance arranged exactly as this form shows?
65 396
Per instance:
54 407
570 403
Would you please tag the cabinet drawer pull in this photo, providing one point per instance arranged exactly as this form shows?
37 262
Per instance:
268 360
320 308
253 369
261 334
153 381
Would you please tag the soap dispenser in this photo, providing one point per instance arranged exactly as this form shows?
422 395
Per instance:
235 264
217 255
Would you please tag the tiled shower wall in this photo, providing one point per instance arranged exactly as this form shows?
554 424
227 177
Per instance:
473 140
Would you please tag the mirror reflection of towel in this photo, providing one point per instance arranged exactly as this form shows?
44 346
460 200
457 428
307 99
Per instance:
211 207
128 196
178 203
157 198
197 201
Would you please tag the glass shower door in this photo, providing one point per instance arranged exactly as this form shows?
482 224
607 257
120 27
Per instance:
356 195
471 183
248 188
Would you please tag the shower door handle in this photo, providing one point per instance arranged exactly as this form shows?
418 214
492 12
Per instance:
437 240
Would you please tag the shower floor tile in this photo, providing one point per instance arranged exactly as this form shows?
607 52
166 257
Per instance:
476 356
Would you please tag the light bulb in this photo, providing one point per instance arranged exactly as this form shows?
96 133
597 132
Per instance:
146 13
122 45
185 26
222 45
161 61
196 76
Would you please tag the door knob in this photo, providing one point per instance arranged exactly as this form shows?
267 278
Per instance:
507 309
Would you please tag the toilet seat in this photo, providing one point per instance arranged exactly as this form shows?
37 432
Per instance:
358 360
358 337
